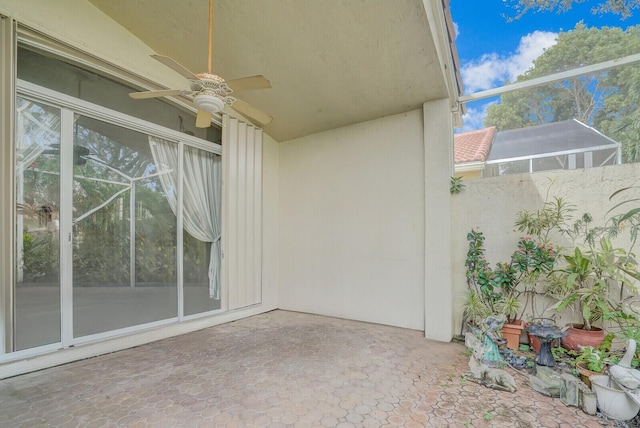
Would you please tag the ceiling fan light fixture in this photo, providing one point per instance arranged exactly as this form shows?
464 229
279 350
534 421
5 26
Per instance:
211 92
209 103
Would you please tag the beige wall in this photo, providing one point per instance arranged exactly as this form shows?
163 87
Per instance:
468 175
352 222
95 32
270 224
438 161
491 205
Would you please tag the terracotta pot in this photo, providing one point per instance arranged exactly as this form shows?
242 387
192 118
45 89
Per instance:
511 332
585 373
535 343
576 337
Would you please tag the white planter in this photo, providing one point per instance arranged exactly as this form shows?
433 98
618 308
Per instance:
613 401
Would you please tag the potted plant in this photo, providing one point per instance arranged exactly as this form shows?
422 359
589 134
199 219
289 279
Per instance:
591 361
539 255
593 282
482 299
498 290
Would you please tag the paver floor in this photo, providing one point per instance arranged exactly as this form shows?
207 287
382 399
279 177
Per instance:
274 370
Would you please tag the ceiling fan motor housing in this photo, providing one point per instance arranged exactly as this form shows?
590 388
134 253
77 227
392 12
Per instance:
208 102
213 93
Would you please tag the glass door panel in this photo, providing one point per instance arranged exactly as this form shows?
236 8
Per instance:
124 232
37 289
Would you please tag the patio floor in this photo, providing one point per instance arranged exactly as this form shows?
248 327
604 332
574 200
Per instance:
278 369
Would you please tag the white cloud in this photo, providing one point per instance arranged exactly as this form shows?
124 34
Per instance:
474 118
456 30
493 69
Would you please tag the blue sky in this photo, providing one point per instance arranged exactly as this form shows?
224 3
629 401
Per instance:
493 51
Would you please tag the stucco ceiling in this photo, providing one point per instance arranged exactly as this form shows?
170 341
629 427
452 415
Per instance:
331 62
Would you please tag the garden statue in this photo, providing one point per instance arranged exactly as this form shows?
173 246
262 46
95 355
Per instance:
492 340
485 357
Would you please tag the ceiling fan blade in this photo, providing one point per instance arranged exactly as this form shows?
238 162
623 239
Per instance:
155 94
172 64
251 112
203 119
249 83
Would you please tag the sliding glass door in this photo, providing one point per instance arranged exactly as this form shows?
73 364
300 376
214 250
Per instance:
124 232
37 288
118 229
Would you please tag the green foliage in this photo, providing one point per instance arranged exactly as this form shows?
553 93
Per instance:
487 415
497 290
456 185
623 8
558 353
591 276
594 278
608 101
40 261
553 217
595 358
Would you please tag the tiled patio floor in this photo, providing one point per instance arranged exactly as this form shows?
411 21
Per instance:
273 370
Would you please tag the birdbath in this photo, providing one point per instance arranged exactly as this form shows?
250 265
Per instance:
545 333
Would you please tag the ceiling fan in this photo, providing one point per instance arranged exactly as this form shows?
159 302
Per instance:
211 92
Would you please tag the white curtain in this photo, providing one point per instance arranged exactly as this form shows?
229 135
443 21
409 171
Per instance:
201 199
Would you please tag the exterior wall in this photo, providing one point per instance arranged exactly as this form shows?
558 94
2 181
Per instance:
468 175
438 161
95 32
491 205
352 222
270 189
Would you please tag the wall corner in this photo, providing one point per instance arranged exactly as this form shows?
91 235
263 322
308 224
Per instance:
438 267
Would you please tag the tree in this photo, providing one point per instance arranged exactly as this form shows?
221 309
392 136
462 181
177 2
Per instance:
623 8
609 100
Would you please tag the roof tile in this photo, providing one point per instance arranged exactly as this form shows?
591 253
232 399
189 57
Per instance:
473 146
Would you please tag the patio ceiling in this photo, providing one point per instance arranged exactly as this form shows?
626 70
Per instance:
331 63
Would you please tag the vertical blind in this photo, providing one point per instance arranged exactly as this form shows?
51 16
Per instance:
242 217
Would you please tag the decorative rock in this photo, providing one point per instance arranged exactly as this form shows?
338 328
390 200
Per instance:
543 387
569 393
588 401
546 381
549 376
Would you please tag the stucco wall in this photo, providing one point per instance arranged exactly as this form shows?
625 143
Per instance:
491 205
80 24
352 222
270 189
